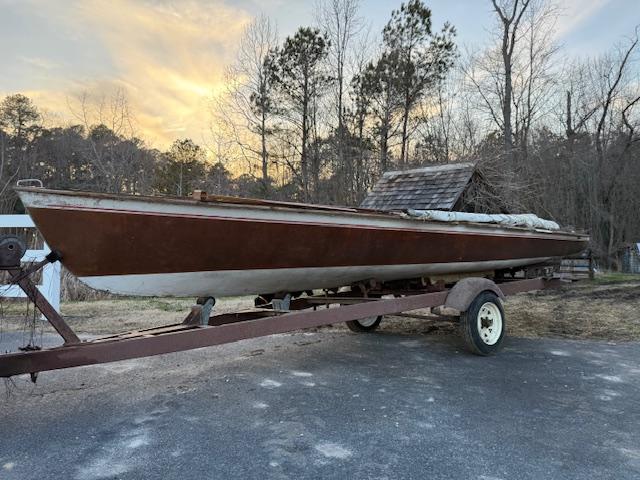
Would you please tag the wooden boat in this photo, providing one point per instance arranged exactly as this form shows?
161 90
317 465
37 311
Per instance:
223 246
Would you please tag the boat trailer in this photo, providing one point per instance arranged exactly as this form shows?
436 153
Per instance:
474 302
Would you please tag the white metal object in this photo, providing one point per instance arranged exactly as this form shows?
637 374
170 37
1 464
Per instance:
205 313
489 323
282 304
29 182
50 286
368 322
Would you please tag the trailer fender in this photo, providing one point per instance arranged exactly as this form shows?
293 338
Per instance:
464 291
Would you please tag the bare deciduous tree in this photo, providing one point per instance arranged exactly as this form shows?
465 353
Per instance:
247 106
298 71
510 13
340 20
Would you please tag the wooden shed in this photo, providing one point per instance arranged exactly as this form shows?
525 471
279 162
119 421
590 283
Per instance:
451 187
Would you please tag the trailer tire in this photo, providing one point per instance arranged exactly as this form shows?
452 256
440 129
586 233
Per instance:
483 324
364 325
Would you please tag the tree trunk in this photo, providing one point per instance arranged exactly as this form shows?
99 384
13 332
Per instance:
263 153
383 147
315 158
405 120
359 170
506 107
569 131
340 93
305 134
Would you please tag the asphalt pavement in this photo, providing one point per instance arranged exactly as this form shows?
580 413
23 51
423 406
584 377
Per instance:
333 405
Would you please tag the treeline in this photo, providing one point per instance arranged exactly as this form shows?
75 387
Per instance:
330 108
319 115
101 158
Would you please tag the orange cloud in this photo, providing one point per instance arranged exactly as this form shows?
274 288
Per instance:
168 59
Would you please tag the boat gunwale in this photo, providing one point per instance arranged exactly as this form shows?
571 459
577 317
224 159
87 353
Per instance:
239 202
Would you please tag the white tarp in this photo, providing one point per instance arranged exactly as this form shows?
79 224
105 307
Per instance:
528 220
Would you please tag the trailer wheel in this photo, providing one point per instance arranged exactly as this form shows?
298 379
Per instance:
483 324
368 324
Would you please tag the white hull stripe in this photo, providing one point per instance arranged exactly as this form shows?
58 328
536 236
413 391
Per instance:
250 282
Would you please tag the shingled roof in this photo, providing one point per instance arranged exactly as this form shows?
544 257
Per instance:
437 187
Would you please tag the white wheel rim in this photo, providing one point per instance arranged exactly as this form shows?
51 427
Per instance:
368 322
489 323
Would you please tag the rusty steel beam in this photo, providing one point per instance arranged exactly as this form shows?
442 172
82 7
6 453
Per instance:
435 318
518 286
54 318
221 329
341 300
226 318
190 337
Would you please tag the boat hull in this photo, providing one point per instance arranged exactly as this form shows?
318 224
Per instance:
146 246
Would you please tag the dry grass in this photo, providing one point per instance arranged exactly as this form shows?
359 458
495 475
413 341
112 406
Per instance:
607 309
98 317
603 309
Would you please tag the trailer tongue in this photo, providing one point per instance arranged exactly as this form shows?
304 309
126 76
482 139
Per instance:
474 302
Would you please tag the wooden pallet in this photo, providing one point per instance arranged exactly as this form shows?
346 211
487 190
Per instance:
576 268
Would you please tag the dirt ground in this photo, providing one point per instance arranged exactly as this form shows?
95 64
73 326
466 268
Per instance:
606 309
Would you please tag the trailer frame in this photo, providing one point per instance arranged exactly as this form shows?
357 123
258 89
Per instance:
201 329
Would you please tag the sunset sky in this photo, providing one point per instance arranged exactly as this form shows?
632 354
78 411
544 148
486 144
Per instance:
169 56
